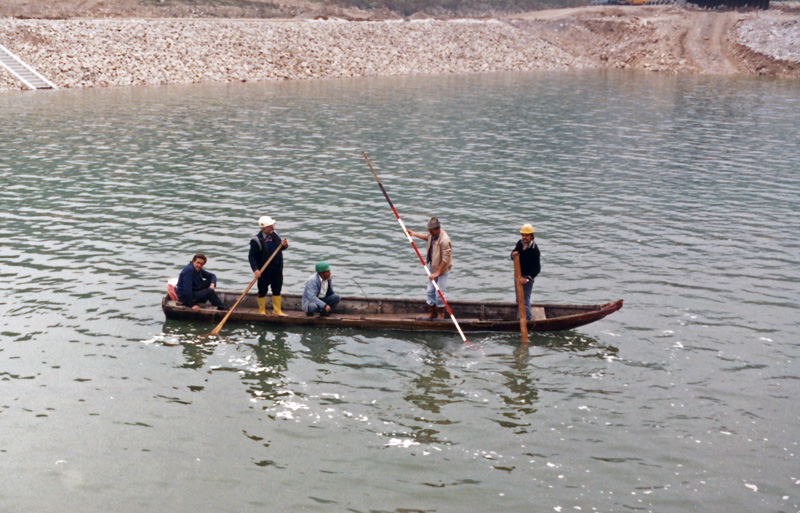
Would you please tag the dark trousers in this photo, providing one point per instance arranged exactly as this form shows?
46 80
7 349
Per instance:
331 301
203 295
526 293
270 277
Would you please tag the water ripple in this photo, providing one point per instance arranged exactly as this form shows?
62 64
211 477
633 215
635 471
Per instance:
678 194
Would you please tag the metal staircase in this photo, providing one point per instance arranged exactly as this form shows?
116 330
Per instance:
22 71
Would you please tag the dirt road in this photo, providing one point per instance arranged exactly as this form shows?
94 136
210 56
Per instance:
707 43
659 38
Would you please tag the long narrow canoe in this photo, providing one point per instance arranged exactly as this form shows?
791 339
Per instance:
399 314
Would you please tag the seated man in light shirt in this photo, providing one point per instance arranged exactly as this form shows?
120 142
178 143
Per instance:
318 295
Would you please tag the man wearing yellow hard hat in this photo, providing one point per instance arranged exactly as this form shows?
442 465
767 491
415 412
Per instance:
529 262
262 246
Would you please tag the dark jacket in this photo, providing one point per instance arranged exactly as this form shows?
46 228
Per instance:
191 280
261 248
529 260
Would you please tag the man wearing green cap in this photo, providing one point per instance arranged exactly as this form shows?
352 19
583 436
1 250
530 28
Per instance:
318 295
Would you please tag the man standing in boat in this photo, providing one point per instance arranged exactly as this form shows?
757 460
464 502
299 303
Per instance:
318 296
529 263
439 262
262 246
196 285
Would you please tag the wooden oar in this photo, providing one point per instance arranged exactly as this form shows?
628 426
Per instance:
408 236
523 320
216 330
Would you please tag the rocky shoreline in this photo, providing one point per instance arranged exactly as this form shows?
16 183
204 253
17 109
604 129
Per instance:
776 38
124 52
131 52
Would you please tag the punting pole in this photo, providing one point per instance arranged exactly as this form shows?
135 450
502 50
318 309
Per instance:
215 331
422 260
523 324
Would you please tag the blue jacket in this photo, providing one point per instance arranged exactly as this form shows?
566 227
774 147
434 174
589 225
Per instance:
261 248
191 280
311 292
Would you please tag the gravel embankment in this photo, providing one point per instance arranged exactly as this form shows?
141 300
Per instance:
122 52
776 38
119 52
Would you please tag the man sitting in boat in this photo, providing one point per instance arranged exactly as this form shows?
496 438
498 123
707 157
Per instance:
196 285
529 263
439 262
318 295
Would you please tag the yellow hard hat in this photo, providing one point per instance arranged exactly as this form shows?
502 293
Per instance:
526 229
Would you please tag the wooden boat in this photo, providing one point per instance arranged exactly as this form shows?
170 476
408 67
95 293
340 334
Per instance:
398 314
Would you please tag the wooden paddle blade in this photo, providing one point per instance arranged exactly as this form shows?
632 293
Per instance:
215 331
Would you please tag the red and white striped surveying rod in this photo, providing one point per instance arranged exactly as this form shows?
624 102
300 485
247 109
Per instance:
422 260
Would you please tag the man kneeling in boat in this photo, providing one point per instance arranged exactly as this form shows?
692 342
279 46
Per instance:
196 285
318 295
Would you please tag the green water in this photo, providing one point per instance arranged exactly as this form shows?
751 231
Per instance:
677 194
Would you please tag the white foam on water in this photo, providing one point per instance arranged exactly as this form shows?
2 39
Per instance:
404 443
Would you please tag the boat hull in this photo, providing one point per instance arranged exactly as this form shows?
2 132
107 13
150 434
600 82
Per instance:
399 314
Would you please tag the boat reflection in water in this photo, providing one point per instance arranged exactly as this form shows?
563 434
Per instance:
296 372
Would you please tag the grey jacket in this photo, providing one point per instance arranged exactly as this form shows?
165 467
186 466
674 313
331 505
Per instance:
311 292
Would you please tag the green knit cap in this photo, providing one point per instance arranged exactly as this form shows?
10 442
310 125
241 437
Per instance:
322 267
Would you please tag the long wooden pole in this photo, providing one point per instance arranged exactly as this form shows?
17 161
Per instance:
216 330
523 319
422 260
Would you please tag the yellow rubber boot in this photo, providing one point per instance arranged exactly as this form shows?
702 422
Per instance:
276 306
262 305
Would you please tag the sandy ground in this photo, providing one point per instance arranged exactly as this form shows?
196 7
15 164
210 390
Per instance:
69 40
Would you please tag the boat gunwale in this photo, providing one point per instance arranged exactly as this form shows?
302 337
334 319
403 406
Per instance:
588 313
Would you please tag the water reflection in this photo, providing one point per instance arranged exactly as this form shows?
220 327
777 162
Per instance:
320 344
434 386
265 378
195 354
190 338
309 375
662 207
572 341
522 396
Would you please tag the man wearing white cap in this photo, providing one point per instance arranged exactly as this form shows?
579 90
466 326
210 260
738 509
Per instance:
262 246
529 262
